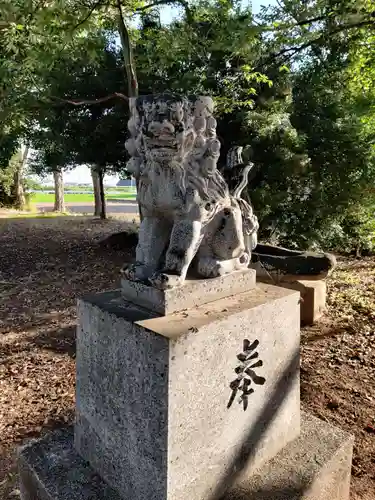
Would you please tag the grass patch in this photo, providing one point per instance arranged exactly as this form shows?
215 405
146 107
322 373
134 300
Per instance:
124 196
40 215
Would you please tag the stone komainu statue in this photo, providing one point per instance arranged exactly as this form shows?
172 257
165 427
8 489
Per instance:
190 217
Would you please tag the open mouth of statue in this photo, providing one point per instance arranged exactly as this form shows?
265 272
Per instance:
169 143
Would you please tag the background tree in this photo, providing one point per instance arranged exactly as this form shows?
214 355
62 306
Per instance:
307 140
20 159
92 133
51 157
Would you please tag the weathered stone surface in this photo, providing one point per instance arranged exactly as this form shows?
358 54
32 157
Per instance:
315 466
194 292
51 469
122 400
189 216
236 173
160 411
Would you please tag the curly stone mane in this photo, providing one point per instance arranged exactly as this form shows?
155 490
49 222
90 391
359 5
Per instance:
209 187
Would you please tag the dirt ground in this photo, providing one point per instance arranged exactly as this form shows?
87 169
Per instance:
47 263
338 365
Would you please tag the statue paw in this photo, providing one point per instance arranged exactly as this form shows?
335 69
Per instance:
243 261
128 272
134 272
215 270
164 281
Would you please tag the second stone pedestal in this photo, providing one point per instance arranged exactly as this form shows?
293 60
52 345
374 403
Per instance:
167 405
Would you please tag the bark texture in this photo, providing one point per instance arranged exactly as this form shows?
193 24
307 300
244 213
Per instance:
103 211
59 205
20 201
96 187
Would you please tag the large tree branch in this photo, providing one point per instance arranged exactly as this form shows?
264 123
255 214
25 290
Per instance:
92 9
183 3
291 25
292 51
151 5
127 53
304 22
91 101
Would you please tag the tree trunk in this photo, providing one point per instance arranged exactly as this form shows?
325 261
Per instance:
97 193
59 192
131 73
103 211
128 54
20 202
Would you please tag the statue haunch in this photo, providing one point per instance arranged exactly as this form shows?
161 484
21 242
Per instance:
190 220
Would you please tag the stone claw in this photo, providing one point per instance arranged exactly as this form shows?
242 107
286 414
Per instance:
164 281
215 271
134 272
243 261
128 272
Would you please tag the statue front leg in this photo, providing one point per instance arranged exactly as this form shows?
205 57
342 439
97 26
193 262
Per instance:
153 239
185 239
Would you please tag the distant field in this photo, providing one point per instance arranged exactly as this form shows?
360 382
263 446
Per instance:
71 198
83 189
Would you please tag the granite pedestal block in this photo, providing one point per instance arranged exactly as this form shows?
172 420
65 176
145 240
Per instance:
162 410
51 469
315 466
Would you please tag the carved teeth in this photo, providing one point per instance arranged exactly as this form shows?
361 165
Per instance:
169 142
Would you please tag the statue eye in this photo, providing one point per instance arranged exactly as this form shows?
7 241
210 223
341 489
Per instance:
226 212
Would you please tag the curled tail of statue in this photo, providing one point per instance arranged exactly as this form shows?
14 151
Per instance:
236 175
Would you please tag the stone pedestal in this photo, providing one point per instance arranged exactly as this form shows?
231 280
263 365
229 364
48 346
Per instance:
158 413
191 405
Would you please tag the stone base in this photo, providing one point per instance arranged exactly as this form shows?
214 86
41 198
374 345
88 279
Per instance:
161 413
195 292
51 469
316 466
313 295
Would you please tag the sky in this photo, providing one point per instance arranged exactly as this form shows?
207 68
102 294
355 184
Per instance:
81 174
